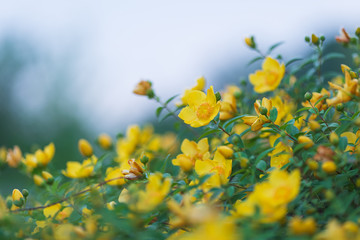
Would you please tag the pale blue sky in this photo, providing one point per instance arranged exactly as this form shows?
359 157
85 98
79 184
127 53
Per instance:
117 43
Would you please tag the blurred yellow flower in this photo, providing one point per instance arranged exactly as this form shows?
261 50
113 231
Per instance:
201 108
281 155
80 170
192 151
228 102
104 141
269 78
219 167
300 226
14 157
257 122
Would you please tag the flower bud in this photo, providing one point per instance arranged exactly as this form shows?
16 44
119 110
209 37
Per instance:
244 162
329 195
38 180
350 227
9 203
353 75
17 198
250 42
144 159
314 125
226 151
25 192
308 96
142 88
85 148
334 138
263 110
307 140
314 39
344 68
307 39
357 32
104 141
322 38
340 107
329 167
48 177
312 164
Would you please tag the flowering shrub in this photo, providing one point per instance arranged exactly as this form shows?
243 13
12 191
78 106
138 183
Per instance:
286 168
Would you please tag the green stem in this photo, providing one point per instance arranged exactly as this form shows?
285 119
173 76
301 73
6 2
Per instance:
221 128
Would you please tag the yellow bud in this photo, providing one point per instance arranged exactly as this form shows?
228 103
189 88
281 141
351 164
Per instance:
226 151
17 195
46 175
334 138
49 151
244 162
85 148
358 182
142 88
38 180
357 121
3 154
350 227
250 42
314 39
111 205
104 141
310 225
307 140
312 164
329 167
329 195
314 125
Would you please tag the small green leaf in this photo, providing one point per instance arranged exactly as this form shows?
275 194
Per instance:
254 60
261 165
273 47
292 61
273 114
170 99
263 154
343 142
158 111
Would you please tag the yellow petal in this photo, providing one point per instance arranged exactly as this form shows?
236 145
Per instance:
187 114
196 98
271 65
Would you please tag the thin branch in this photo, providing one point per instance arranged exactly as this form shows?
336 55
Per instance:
66 198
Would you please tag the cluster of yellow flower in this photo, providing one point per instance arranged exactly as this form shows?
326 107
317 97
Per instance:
288 166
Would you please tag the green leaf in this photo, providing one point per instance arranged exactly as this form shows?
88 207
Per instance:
208 132
333 56
273 47
303 109
343 142
273 114
261 165
263 154
165 117
170 99
292 61
230 121
158 111
292 130
254 60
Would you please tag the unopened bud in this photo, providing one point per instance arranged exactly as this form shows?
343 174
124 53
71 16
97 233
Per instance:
340 107
357 32
9 203
226 151
244 162
85 148
353 75
322 38
334 138
104 141
307 39
25 192
344 68
312 164
48 177
308 96
263 110
250 42
19 202
307 140
329 195
314 125
38 180
314 39
150 93
144 159
237 94
329 167
142 88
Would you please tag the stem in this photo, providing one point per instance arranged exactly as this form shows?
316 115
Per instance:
318 113
280 131
319 61
221 128
157 99
66 198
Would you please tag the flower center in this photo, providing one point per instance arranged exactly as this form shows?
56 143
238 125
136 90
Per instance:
204 111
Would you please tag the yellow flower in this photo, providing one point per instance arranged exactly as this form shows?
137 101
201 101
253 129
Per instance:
214 228
200 85
142 88
228 103
201 108
13 157
220 168
346 92
281 155
136 170
257 122
307 140
284 109
192 151
112 173
269 78
155 192
352 138
80 170
333 231
85 148
17 195
271 196
104 141
300 226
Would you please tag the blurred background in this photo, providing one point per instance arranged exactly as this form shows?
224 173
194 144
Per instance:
68 68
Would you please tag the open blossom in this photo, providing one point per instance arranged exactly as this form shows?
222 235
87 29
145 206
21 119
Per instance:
201 108
80 170
200 85
191 152
346 92
344 37
257 122
269 78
